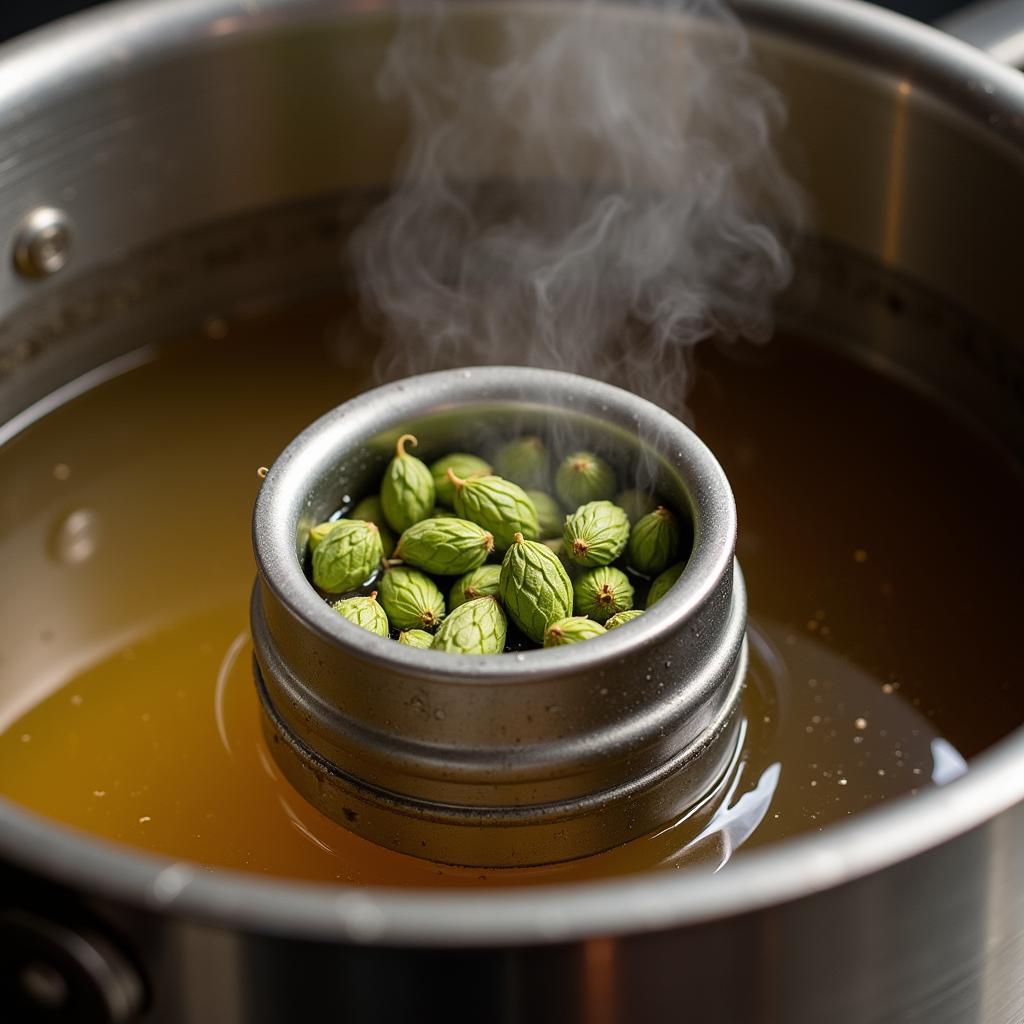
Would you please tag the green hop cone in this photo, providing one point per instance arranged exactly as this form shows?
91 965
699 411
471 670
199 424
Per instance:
571 630
347 556
654 542
407 490
318 533
465 465
534 586
416 638
524 461
498 505
482 582
621 618
365 612
411 598
557 545
445 547
663 583
584 477
370 511
476 627
549 514
596 533
636 504
602 593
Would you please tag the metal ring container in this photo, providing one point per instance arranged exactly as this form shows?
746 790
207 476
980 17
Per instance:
499 760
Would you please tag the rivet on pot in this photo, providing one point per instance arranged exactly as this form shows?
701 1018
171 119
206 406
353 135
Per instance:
42 242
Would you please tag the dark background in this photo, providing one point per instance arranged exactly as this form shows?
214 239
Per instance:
20 15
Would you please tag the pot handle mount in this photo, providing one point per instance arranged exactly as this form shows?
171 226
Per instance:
995 26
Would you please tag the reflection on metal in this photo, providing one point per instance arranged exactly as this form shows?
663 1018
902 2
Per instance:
599 981
949 763
896 179
996 26
734 823
42 242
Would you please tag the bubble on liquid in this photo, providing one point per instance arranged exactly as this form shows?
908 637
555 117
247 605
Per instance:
61 471
215 327
74 537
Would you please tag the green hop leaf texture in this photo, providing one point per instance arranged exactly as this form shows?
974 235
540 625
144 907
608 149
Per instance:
596 533
636 504
499 506
476 627
407 490
571 631
524 461
535 588
411 598
602 593
347 556
621 618
364 612
464 464
550 519
654 542
416 638
445 547
663 583
370 510
583 477
482 582
318 533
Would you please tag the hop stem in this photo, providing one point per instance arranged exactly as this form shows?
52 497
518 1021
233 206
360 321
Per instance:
400 444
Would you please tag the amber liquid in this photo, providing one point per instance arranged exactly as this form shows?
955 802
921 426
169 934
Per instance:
879 597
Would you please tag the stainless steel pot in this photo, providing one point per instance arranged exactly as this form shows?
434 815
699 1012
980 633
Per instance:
911 147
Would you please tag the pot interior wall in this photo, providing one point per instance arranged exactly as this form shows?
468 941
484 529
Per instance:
146 141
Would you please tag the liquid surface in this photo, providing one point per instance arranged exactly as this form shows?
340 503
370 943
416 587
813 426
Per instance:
126 701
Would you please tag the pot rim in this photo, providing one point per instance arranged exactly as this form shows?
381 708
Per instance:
84 46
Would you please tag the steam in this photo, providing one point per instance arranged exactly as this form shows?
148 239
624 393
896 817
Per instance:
585 187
